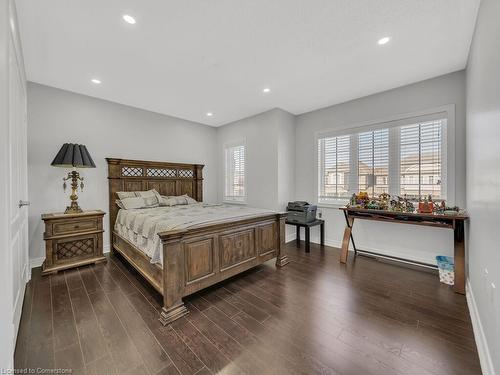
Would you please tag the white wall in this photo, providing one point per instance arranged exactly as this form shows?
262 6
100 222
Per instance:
270 140
108 130
483 180
281 154
286 158
270 162
421 244
258 133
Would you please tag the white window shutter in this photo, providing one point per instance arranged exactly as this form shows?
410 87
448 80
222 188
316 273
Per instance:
234 170
373 161
421 160
334 167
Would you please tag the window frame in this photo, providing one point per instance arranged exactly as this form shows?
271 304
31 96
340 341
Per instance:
225 148
393 122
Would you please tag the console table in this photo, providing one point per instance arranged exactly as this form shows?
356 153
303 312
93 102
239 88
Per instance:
454 222
307 227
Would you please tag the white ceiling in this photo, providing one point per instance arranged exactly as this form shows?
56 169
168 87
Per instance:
185 58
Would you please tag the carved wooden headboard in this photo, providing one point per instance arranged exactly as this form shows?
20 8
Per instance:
139 175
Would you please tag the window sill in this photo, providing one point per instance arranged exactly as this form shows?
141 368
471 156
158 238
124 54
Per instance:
331 205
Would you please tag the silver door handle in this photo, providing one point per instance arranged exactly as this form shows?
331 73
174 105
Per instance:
23 203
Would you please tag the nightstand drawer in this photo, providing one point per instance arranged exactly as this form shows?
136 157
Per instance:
74 226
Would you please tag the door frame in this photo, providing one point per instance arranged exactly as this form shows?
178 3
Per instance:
9 315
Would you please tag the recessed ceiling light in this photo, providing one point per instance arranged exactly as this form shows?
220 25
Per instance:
129 19
384 40
210 114
266 90
96 81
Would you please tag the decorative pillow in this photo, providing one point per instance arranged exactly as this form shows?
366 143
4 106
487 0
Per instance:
119 204
172 201
136 202
139 199
152 196
176 200
125 194
190 200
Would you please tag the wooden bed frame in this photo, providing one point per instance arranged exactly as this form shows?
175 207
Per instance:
198 257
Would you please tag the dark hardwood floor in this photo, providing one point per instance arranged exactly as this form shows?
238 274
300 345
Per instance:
314 316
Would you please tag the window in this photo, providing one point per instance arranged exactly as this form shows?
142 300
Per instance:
373 161
234 173
334 167
401 157
421 160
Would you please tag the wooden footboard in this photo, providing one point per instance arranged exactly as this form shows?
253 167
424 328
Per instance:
199 257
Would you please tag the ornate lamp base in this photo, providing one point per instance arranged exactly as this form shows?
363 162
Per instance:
74 208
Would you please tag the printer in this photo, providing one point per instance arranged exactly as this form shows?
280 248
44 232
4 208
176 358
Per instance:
301 212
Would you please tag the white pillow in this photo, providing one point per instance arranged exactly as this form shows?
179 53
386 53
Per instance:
125 194
176 200
172 201
120 204
136 202
138 199
149 194
190 200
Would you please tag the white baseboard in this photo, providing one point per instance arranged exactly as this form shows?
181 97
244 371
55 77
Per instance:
36 262
481 343
338 244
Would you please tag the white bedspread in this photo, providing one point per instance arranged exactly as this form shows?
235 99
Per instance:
141 226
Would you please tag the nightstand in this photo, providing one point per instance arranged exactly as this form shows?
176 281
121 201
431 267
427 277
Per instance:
72 240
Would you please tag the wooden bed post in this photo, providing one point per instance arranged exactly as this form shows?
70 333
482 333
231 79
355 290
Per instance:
174 278
281 257
198 168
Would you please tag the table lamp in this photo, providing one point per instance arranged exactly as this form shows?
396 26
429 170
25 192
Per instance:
74 156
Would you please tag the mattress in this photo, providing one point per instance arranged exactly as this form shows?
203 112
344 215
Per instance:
141 226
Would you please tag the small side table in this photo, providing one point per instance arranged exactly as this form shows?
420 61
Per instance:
72 240
307 227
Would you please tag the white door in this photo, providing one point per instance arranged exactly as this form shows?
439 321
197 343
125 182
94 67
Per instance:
18 175
14 181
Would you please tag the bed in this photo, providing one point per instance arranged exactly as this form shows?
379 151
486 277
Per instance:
210 243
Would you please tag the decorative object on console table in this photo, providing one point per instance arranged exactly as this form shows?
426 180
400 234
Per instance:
72 240
73 156
426 206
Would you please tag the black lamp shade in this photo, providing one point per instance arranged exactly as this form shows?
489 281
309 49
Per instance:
72 155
